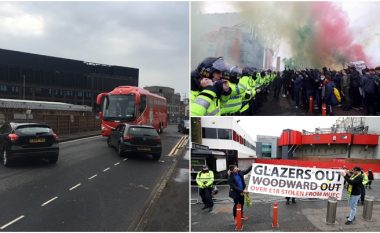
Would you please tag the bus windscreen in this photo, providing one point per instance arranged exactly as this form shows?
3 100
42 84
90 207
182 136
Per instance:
119 107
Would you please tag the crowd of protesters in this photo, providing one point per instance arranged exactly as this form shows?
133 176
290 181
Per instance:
217 89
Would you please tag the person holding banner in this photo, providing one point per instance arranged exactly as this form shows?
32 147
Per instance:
237 187
353 191
205 180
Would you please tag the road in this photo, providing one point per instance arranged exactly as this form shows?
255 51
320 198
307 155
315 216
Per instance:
91 188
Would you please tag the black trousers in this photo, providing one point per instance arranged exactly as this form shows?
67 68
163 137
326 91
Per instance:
238 200
362 194
206 196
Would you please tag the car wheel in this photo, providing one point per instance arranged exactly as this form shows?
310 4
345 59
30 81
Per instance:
109 142
156 156
53 160
5 158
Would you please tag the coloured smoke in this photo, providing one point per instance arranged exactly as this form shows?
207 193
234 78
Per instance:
318 33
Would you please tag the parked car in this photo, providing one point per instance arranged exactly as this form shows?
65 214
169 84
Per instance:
135 139
183 126
29 141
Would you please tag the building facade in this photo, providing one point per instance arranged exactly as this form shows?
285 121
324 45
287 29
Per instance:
267 147
173 101
45 78
226 134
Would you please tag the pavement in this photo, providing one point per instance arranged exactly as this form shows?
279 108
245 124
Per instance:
285 106
175 201
305 215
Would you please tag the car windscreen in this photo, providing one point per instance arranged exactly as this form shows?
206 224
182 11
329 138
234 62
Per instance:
141 131
119 107
33 130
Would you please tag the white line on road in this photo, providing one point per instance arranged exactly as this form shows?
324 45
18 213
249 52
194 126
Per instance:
106 169
92 177
125 159
117 163
75 186
11 222
49 201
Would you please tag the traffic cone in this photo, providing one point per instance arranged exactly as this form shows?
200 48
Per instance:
324 113
238 221
275 215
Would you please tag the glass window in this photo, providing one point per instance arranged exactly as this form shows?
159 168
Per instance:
209 133
142 103
119 107
140 131
224 134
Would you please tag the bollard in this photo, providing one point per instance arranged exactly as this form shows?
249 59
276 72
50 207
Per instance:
275 215
238 222
324 113
331 210
311 104
367 209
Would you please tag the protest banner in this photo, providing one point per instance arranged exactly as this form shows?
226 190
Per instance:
300 182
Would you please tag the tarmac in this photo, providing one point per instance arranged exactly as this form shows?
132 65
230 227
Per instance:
305 215
285 106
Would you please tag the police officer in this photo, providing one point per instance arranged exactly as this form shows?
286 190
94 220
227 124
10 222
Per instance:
247 84
205 180
207 103
234 103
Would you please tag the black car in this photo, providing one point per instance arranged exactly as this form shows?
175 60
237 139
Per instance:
135 139
28 140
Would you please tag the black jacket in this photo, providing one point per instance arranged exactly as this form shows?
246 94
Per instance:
356 184
235 191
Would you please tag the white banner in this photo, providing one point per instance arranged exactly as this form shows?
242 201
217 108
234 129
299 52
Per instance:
300 182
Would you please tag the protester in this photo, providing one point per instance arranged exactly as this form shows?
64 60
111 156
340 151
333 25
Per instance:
370 178
362 188
353 191
237 187
288 200
205 180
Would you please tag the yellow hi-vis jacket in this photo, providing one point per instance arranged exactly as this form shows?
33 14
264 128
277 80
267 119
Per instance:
205 179
205 104
234 102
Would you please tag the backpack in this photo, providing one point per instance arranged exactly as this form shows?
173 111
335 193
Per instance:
337 95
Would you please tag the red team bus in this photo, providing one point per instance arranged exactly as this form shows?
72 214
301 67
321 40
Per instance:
132 105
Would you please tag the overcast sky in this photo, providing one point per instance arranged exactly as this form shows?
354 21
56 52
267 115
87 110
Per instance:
150 36
273 125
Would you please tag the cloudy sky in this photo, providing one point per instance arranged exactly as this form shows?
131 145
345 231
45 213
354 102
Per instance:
150 36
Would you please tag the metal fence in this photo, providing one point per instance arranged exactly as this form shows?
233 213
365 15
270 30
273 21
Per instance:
61 124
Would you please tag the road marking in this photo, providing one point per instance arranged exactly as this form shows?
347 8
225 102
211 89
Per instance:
81 139
125 159
75 186
49 201
92 177
106 169
117 163
11 222
175 148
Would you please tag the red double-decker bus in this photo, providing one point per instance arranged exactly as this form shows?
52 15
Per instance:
132 105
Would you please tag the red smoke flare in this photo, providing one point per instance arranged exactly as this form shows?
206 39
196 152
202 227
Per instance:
332 35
